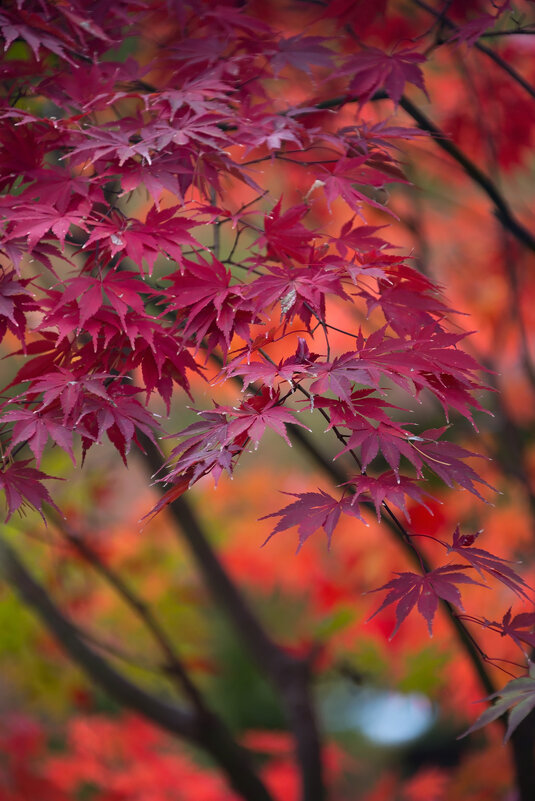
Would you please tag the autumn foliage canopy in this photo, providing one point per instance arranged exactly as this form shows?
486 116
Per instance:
220 206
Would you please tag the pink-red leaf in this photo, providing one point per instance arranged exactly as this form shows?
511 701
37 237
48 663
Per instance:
22 487
411 589
483 561
311 511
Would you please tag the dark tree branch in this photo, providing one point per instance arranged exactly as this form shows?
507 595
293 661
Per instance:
448 23
173 666
290 676
502 210
522 740
204 731
501 207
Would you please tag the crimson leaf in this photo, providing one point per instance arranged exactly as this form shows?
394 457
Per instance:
410 589
312 510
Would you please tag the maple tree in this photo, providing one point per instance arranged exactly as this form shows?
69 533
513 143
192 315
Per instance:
195 204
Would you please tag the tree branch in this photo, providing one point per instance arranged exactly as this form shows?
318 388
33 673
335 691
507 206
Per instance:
501 207
502 210
174 666
290 676
481 47
204 731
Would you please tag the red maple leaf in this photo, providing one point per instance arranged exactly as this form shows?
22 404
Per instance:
284 235
360 237
34 221
162 232
519 628
483 561
372 70
386 488
346 175
70 388
35 428
299 290
120 289
118 415
15 302
259 412
312 510
410 589
207 305
22 487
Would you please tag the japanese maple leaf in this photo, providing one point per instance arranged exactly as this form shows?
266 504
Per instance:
207 448
313 510
122 289
284 235
340 375
290 369
34 221
446 460
299 290
483 561
259 126
201 93
359 237
186 128
16 249
15 302
22 487
163 362
408 301
166 171
386 488
389 439
119 416
259 412
363 404
372 69
301 52
110 140
519 628
411 589
36 32
69 388
343 178
207 304
44 358
162 232
56 186
518 696
35 428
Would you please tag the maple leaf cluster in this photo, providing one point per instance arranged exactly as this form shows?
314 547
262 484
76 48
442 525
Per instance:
115 174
